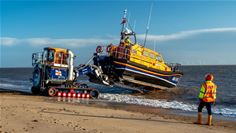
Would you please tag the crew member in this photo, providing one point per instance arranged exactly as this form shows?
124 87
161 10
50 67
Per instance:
128 41
207 97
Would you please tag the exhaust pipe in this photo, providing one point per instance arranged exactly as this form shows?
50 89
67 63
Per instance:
71 65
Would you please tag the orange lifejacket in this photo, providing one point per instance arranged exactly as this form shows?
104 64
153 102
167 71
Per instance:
208 92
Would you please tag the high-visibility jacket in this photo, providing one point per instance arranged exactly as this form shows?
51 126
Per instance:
127 40
208 92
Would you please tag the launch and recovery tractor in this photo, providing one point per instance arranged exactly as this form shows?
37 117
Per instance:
54 74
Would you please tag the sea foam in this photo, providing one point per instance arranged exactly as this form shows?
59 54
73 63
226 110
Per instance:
138 100
11 86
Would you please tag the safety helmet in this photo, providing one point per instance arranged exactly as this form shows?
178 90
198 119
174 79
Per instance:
209 77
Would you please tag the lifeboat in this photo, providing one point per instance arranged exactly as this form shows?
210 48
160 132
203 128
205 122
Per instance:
135 65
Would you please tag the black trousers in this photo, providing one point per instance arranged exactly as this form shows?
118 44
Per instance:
207 104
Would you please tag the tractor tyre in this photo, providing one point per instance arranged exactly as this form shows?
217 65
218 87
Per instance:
35 89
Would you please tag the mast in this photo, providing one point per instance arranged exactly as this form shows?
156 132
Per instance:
126 29
148 24
123 24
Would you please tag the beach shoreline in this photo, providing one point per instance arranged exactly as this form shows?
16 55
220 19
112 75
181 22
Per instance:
22 112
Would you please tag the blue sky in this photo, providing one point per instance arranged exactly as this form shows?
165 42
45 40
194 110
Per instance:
187 32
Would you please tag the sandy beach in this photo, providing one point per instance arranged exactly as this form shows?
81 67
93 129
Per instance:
22 113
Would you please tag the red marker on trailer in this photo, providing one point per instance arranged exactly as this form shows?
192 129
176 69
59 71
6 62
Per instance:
59 94
64 94
78 95
83 95
87 96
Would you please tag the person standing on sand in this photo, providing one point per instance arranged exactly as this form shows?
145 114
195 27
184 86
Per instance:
207 97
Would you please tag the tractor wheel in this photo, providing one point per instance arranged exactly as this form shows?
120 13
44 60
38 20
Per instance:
36 82
52 91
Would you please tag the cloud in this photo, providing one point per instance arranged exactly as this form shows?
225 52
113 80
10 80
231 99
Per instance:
9 41
82 42
186 34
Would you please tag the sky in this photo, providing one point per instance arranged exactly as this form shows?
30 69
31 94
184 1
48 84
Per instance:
186 32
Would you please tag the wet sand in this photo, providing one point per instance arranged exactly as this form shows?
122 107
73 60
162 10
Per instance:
22 112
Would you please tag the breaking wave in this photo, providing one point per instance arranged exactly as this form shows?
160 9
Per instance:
17 85
138 100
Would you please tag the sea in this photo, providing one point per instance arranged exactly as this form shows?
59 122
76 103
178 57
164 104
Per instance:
184 98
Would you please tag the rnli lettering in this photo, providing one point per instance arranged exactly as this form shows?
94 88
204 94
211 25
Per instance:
58 73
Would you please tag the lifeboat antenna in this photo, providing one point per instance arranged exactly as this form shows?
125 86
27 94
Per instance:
134 25
154 43
149 19
123 24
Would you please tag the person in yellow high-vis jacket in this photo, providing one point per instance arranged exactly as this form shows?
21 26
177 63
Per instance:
207 97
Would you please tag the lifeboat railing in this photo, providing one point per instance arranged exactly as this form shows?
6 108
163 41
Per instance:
122 52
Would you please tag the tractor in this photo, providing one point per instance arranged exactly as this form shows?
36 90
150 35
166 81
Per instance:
54 73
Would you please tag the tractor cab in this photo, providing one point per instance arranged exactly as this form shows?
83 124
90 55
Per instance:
52 57
56 57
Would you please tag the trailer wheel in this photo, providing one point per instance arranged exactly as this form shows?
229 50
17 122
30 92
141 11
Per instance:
52 91
94 94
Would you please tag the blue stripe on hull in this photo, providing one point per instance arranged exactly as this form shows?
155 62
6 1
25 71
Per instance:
171 79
